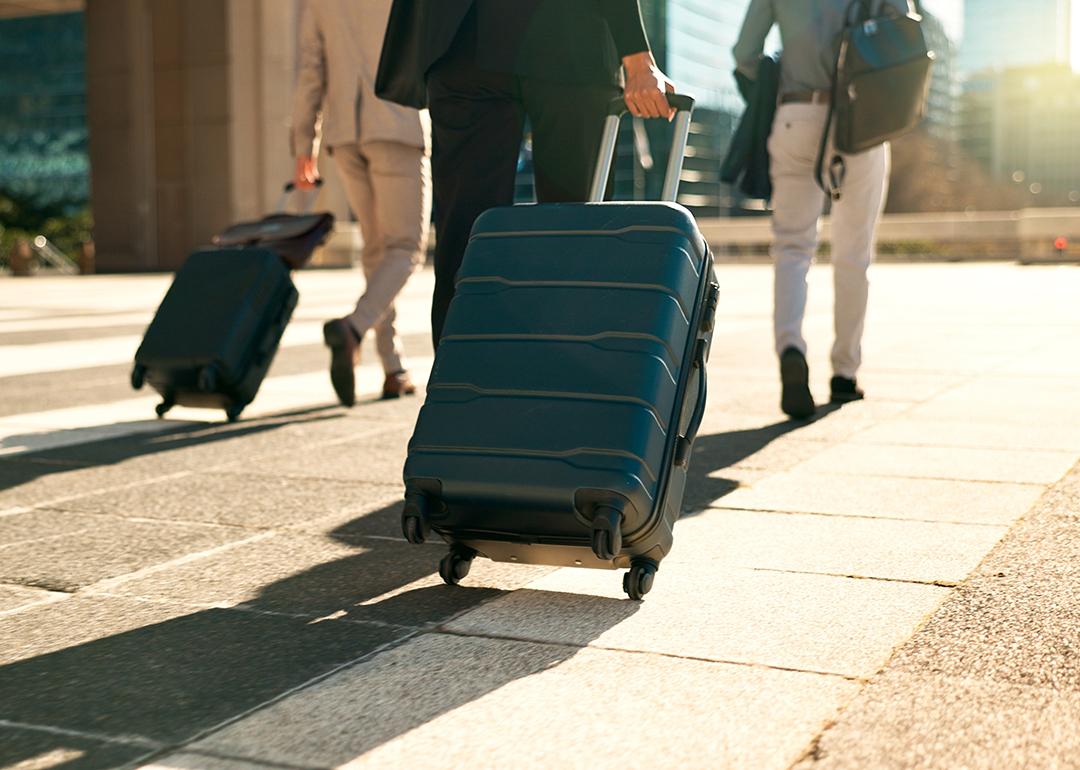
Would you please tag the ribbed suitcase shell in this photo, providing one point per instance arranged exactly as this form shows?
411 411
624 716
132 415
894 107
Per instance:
215 334
563 381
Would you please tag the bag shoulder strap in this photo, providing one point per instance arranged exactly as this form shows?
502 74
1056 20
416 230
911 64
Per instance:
832 187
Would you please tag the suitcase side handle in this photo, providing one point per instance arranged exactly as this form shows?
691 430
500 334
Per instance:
684 107
685 443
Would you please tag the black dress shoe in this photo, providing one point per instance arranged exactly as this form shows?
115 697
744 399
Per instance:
796 401
843 390
344 347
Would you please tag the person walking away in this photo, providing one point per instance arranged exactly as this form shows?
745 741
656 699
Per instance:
810 33
483 67
381 150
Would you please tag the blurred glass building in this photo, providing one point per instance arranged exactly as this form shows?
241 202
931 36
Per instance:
1020 123
1007 33
43 129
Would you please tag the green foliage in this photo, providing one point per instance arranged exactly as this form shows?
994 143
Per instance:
21 218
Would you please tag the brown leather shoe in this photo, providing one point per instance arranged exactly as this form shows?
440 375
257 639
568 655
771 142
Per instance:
397 385
344 356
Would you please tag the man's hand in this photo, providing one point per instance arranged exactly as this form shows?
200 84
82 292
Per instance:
307 173
646 87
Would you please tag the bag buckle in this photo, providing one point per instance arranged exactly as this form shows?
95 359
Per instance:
870 27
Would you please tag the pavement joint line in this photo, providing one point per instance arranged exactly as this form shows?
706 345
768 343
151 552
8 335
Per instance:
245 608
145 520
54 598
932 478
413 633
14 511
911 444
989 525
207 732
185 559
649 653
128 740
268 763
115 488
908 581
45 538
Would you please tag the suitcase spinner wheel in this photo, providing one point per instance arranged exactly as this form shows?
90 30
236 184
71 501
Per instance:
455 565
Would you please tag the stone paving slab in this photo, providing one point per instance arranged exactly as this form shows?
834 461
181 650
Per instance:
252 501
111 666
885 549
923 722
39 750
966 464
991 679
442 696
100 547
696 609
12 596
348 579
378 459
206 761
977 435
966 502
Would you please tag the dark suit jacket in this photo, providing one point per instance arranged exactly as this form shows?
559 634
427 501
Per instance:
747 161
570 41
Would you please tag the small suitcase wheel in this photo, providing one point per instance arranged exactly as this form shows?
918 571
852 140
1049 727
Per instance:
414 530
163 408
138 376
233 412
639 580
607 534
454 567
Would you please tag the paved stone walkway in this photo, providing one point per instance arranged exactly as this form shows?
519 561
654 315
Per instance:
891 585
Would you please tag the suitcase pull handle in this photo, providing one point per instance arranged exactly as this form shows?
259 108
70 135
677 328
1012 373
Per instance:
684 106
290 188
686 442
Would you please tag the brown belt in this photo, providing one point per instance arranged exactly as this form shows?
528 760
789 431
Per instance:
806 97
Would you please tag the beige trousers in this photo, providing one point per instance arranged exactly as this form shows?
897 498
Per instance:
797 206
388 185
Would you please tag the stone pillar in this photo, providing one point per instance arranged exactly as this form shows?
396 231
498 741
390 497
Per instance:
189 113
120 118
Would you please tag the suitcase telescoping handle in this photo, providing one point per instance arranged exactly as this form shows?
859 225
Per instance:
290 188
684 106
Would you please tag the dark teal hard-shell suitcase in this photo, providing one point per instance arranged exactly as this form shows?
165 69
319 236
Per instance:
215 334
569 384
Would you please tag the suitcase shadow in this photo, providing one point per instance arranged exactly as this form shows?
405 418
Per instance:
68 450
183 674
716 452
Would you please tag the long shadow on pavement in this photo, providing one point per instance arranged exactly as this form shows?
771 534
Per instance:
18 470
716 452
169 682
183 674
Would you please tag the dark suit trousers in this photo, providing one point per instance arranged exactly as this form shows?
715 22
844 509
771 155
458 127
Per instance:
477 121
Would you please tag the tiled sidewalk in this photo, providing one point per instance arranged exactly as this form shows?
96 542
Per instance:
193 595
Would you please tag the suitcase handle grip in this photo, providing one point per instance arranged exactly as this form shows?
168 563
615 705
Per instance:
684 109
685 442
290 188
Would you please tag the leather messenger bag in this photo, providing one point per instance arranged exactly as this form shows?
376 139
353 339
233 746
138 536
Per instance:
880 85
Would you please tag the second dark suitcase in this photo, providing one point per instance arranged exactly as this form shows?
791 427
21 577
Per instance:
217 330
568 386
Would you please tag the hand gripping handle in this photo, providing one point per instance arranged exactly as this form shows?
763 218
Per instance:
684 106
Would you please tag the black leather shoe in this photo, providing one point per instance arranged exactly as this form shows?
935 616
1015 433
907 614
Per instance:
344 347
843 391
796 401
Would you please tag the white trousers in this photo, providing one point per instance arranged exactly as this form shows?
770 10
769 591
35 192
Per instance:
388 185
797 207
